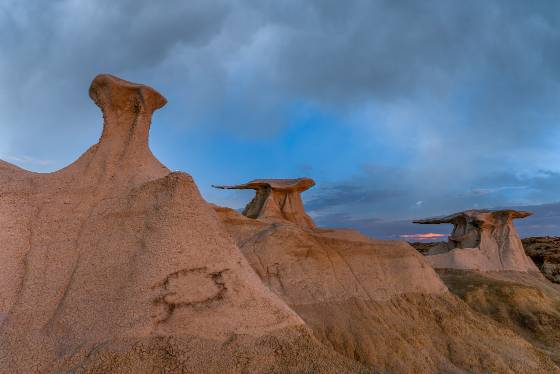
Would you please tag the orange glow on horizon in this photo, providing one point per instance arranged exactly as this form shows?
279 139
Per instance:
429 235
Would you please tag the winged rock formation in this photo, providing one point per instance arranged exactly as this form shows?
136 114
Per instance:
115 264
378 302
277 199
482 240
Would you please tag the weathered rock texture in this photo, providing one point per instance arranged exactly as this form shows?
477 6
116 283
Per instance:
378 302
545 253
481 240
527 304
524 302
277 199
116 265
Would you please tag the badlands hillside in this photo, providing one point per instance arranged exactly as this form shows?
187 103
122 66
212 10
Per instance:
500 280
115 264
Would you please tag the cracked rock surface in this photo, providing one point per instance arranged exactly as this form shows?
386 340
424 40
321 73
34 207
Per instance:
114 264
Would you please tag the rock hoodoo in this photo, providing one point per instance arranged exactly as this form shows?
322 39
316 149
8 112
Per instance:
484 240
277 199
116 264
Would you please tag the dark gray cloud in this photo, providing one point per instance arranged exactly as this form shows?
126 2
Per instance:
349 196
481 57
456 102
51 51
544 222
360 203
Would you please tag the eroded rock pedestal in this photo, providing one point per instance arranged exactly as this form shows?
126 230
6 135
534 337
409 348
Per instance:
277 199
481 240
114 264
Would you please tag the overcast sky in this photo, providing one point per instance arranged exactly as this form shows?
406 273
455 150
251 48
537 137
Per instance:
398 109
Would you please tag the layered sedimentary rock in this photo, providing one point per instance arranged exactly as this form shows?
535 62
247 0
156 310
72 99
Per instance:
481 240
277 199
116 264
378 302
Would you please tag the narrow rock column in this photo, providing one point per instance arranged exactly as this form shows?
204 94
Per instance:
127 115
127 107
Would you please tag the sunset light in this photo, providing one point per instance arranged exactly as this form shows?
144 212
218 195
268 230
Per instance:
426 236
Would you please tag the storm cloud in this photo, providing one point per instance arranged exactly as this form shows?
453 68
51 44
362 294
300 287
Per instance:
398 109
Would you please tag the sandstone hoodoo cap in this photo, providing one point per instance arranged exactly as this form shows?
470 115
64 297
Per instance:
277 199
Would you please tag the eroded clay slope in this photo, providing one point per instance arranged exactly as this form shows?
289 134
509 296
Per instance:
523 302
114 264
378 302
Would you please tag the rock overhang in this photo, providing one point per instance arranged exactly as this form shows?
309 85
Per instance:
107 90
481 240
277 199
476 215
296 184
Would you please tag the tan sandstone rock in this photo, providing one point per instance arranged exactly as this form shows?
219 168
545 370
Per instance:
524 302
481 240
114 264
378 302
277 199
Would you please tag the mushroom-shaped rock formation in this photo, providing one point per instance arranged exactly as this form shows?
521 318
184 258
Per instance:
277 199
484 240
116 265
377 301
